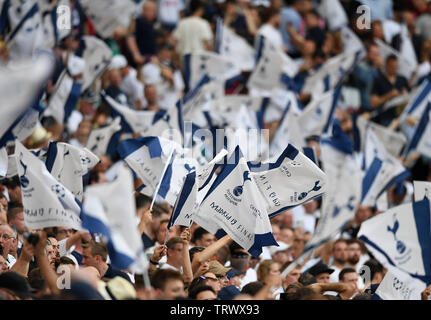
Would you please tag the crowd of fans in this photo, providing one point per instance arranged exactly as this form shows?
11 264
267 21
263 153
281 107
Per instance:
146 73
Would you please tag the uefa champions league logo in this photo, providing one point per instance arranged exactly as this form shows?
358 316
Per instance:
315 188
237 191
59 190
401 247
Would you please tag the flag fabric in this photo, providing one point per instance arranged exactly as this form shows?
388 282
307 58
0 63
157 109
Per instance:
199 99
109 210
169 124
186 203
382 170
415 108
392 141
288 182
272 66
197 64
3 162
148 158
288 131
132 121
422 189
334 14
235 48
64 99
343 193
421 140
108 16
16 114
331 73
418 104
398 285
104 140
47 203
318 115
69 164
401 237
97 56
234 204
351 42
25 22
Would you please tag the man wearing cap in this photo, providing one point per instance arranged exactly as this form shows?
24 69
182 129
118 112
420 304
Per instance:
220 272
321 272
130 84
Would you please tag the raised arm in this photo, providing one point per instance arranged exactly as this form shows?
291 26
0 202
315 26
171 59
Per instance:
209 251
187 265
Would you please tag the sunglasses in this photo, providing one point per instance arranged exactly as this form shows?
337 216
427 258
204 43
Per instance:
208 278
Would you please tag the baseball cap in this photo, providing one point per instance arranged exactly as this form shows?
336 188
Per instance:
319 269
118 62
117 288
218 269
228 293
233 273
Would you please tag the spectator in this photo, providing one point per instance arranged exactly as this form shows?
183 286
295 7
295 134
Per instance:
322 272
386 86
340 255
193 33
168 284
94 255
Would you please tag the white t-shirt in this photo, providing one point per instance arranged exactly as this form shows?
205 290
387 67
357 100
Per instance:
191 33
270 33
169 11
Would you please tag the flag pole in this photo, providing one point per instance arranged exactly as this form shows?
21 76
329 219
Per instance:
161 179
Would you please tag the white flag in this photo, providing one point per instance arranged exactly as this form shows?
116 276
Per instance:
288 131
201 98
109 210
333 13
422 189
329 76
132 121
101 140
3 162
318 115
186 204
398 285
235 205
392 141
382 170
109 15
68 164
97 56
401 237
26 36
198 64
18 92
148 158
290 181
421 140
47 203
235 48
272 64
64 99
